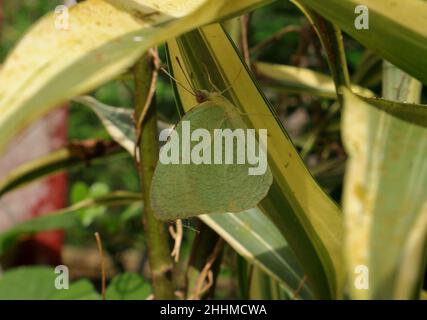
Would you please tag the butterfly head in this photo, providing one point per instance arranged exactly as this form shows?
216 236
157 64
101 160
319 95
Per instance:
202 95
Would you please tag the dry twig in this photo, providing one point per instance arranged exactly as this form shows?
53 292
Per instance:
101 254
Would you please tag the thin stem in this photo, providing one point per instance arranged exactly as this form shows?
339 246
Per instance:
300 286
244 44
101 254
177 235
274 38
156 235
332 42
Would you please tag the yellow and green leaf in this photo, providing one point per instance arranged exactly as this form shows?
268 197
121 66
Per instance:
104 38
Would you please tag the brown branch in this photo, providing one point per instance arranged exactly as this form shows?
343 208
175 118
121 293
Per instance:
274 38
300 286
206 272
87 150
76 153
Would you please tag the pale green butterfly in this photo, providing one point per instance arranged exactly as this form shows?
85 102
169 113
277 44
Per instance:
192 187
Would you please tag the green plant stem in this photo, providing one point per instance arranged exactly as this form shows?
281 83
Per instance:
156 235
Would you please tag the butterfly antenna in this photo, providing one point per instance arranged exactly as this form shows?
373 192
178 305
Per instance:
185 74
231 85
210 79
177 82
187 225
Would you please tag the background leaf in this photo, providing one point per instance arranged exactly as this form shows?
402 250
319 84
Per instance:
384 200
117 121
300 80
77 153
256 238
38 283
397 29
128 286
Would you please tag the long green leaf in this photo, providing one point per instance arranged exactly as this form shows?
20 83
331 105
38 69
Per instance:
118 121
397 29
75 154
409 112
105 37
301 80
263 287
385 200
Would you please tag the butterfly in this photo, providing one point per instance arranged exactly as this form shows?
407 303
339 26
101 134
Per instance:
193 178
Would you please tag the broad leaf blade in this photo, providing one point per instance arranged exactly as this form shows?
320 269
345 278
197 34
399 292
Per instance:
385 200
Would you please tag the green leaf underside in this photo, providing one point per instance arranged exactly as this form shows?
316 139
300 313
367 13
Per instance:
117 121
185 190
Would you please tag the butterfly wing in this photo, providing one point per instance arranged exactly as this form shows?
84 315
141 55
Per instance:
186 190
